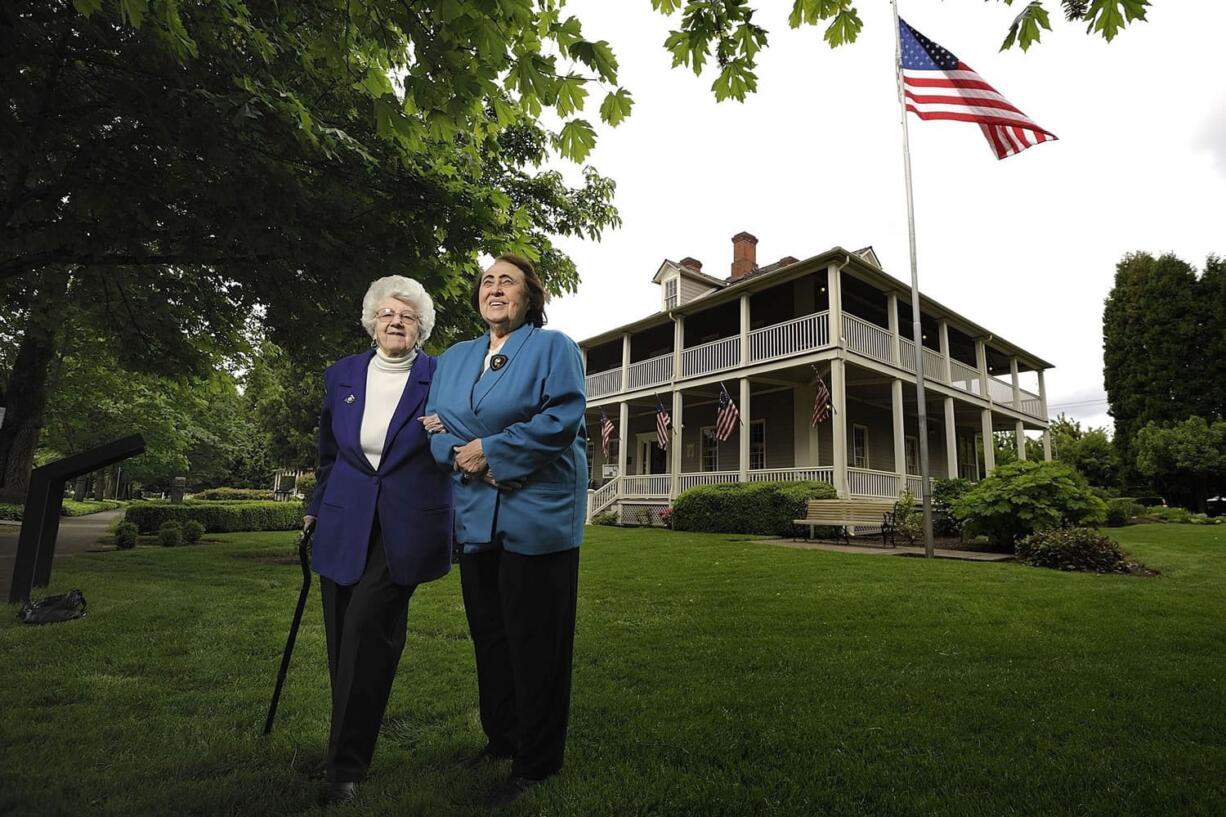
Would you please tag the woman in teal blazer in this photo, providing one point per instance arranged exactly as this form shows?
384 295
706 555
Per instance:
505 412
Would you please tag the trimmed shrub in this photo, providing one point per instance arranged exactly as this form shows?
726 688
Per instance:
1023 497
1119 511
762 508
192 531
1072 549
306 487
233 495
1205 519
218 517
605 518
170 534
946 492
73 508
1164 514
908 519
125 536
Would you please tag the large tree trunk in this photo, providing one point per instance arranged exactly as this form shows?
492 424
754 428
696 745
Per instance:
26 393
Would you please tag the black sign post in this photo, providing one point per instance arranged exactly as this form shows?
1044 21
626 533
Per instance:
40 523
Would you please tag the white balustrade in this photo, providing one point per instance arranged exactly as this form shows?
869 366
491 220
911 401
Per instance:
1032 405
603 384
868 339
820 474
915 484
867 482
790 337
651 372
934 365
602 497
645 485
711 357
709 478
964 377
907 352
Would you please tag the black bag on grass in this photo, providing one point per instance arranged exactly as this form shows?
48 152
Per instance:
53 608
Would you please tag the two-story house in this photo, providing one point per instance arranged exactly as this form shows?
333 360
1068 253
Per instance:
766 333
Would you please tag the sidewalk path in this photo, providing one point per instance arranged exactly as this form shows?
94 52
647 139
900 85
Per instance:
78 534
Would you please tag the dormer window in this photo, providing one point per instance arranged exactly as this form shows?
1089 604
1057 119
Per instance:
670 294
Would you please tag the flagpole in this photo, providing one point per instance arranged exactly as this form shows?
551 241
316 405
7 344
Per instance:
917 334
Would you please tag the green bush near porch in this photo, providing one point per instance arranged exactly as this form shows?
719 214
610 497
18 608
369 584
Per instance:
218 517
1022 497
760 508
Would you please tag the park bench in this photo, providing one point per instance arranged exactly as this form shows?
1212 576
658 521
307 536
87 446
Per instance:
846 514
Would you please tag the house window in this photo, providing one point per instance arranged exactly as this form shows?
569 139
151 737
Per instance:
968 458
710 449
670 293
859 446
911 444
757 444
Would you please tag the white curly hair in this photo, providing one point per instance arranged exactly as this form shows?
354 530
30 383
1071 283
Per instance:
402 289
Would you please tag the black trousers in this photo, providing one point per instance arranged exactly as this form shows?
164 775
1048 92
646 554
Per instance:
521 615
365 625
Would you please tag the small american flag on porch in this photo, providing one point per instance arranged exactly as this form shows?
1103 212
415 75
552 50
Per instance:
606 433
663 421
727 417
821 403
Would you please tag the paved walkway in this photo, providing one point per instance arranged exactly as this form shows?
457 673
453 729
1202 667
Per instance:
78 534
901 550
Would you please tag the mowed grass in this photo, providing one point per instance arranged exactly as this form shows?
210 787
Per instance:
713 676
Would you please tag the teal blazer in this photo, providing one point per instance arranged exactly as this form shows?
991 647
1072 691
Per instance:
529 417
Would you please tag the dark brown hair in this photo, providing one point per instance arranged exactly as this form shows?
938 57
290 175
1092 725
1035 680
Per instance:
536 290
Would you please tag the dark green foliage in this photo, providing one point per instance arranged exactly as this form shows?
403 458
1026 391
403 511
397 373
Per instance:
233 494
1072 549
306 487
1120 510
218 517
908 519
125 536
945 492
1186 459
170 534
1023 497
192 531
1162 514
73 508
11 511
605 518
765 508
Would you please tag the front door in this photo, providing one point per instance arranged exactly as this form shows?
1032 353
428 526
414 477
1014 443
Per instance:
652 459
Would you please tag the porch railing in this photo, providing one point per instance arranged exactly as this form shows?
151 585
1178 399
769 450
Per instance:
645 485
934 366
602 497
709 478
868 339
964 377
603 384
818 474
650 372
1002 392
790 337
711 357
867 482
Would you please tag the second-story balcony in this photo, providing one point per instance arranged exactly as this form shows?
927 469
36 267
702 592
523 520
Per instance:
802 335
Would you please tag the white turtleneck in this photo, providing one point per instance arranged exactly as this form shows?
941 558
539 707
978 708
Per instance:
385 381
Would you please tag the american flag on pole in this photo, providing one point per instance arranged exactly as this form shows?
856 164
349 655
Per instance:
663 421
727 417
606 433
821 403
940 86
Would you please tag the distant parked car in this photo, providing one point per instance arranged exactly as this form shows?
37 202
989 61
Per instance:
1150 501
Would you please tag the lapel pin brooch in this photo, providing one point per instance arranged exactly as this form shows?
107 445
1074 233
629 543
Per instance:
498 361
350 399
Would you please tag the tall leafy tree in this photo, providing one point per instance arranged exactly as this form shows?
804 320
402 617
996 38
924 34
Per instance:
1186 459
1153 318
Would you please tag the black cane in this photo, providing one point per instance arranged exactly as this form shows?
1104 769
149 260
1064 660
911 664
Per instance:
304 546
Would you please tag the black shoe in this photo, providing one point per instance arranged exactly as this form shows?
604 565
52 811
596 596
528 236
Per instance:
338 794
508 791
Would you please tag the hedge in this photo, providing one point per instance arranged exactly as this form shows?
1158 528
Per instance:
231 494
13 511
218 517
760 508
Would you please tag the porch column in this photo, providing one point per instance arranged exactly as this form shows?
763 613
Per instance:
623 437
834 286
678 344
951 439
900 439
583 355
989 448
943 340
838 425
743 440
676 445
745 329
1046 419
1019 432
1017 392
981 361
597 451
891 305
626 362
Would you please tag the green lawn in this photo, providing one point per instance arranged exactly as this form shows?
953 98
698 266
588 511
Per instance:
713 676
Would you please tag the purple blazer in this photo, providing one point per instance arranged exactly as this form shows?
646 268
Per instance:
409 492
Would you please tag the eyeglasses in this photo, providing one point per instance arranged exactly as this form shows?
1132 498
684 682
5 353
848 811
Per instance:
387 315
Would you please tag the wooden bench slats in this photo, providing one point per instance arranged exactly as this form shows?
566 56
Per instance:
845 513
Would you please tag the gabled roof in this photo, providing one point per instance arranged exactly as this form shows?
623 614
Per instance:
671 266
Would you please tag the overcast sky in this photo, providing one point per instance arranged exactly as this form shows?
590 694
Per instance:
1026 247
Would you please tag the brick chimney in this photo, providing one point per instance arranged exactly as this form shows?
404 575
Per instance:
691 264
744 255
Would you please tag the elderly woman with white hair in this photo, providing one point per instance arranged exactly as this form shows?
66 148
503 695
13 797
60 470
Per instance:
382 511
